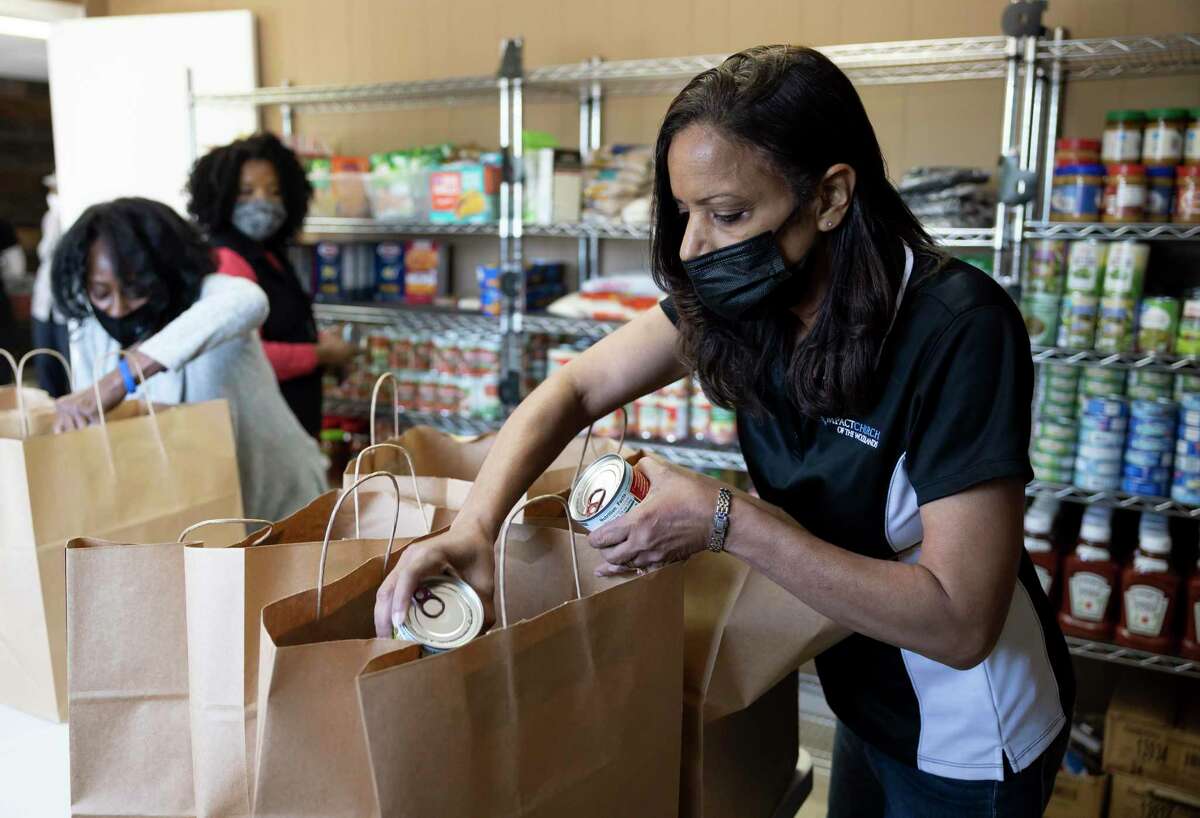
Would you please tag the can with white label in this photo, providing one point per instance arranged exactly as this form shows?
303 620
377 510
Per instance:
607 489
445 613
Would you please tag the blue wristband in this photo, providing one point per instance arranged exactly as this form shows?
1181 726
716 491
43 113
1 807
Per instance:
127 376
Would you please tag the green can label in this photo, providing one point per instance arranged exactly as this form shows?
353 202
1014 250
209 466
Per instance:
1158 324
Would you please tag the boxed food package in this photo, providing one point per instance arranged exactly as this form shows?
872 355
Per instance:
544 283
344 272
426 271
327 271
389 271
1153 731
1134 797
466 192
553 186
348 184
1078 796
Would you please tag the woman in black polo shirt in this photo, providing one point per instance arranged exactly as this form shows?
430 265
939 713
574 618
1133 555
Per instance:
883 392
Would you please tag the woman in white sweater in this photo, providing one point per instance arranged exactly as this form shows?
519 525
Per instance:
131 274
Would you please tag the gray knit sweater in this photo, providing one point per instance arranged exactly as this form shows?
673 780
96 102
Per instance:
212 351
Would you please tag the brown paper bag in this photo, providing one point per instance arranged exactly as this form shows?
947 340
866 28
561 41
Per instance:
24 411
128 674
140 478
571 710
311 756
227 589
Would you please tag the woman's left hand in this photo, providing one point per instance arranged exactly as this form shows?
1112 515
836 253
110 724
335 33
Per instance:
670 525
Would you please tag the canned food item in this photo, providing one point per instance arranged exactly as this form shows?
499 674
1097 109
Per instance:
1186 385
1153 410
1143 487
445 614
1085 266
1100 468
722 427
1077 321
1125 268
1101 439
1047 260
1045 475
1190 434
1060 396
1114 329
1187 448
1158 324
1190 482
1188 464
1113 379
1106 407
673 419
1153 428
1100 454
1065 371
1150 377
607 489
1184 496
1148 393
1188 340
1091 482
649 417
1047 430
700 417
1051 460
1155 474
1041 312
1103 424
1055 409
1055 447
1190 417
1190 402
1143 443
1149 460
1051 381
1099 389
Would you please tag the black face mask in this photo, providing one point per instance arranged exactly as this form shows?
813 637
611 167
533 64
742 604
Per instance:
745 279
132 327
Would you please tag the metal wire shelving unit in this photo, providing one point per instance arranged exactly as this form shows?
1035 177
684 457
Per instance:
1148 361
1089 230
1107 652
1114 499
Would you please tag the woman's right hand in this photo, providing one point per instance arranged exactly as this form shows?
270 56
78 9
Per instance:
333 351
464 549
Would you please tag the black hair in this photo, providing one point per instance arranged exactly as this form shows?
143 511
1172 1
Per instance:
795 108
216 177
157 253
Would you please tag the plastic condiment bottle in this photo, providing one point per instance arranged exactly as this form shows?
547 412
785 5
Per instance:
1190 649
1089 577
1149 595
1039 521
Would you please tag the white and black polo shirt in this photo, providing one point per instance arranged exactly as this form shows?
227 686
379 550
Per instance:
953 411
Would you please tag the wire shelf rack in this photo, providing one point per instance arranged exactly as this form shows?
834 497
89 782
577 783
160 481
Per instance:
1106 652
1113 499
1149 361
1090 230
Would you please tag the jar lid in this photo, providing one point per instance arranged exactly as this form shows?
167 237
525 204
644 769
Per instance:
1155 542
1187 170
1079 170
1124 116
1167 113
1129 169
1076 144
1166 173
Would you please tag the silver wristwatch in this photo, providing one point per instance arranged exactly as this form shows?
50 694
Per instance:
720 525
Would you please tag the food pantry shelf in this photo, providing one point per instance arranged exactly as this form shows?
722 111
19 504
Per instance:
1105 652
1113 499
1120 57
1148 361
1095 230
690 454
438 319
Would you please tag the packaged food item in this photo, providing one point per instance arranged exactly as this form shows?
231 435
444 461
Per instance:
328 262
1125 268
1047 263
348 185
1162 138
1160 194
466 192
1085 266
389 271
1149 591
426 271
1114 332
1190 649
1077 324
722 427
1122 141
1069 151
1187 194
1158 324
607 489
1124 193
1077 193
1188 341
1090 577
1191 141
1039 521
1041 312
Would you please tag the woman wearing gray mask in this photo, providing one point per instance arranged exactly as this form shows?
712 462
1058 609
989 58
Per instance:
251 197
883 392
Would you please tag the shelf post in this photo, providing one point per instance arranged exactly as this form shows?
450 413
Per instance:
512 279
1055 89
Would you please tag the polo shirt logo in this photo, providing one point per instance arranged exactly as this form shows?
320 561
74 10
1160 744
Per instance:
861 432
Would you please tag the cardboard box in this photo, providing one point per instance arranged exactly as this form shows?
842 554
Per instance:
1078 796
1134 797
1153 731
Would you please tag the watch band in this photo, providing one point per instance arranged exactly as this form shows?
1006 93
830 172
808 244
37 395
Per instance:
720 526
127 376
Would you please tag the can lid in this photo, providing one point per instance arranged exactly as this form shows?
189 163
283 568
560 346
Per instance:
1095 531
1077 144
1167 113
1125 115
597 485
445 613
1127 169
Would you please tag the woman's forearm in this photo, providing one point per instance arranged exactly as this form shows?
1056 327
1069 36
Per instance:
898 603
540 427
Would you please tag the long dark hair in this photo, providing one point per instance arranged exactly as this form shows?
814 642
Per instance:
801 113
216 177
157 252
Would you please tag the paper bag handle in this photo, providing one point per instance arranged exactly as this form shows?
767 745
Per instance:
19 371
386 376
230 521
588 437
412 472
12 363
121 353
387 553
504 549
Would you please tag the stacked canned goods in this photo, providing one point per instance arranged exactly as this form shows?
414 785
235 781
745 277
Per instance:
1041 300
1124 268
1158 324
1148 449
1185 385
1081 303
1148 385
1185 488
1102 425
1054 430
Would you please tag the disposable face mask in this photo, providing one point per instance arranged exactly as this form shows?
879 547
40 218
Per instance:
131 328
744 279
259 219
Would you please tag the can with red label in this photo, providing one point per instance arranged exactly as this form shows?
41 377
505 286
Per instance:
673 419
607 489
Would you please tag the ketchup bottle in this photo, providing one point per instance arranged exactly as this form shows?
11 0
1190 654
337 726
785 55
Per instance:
1149 593
1090 576
1191 634
1039 521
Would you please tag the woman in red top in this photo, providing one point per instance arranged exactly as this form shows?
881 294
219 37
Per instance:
251 197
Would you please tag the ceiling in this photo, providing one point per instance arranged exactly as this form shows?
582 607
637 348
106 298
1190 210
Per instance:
22 58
